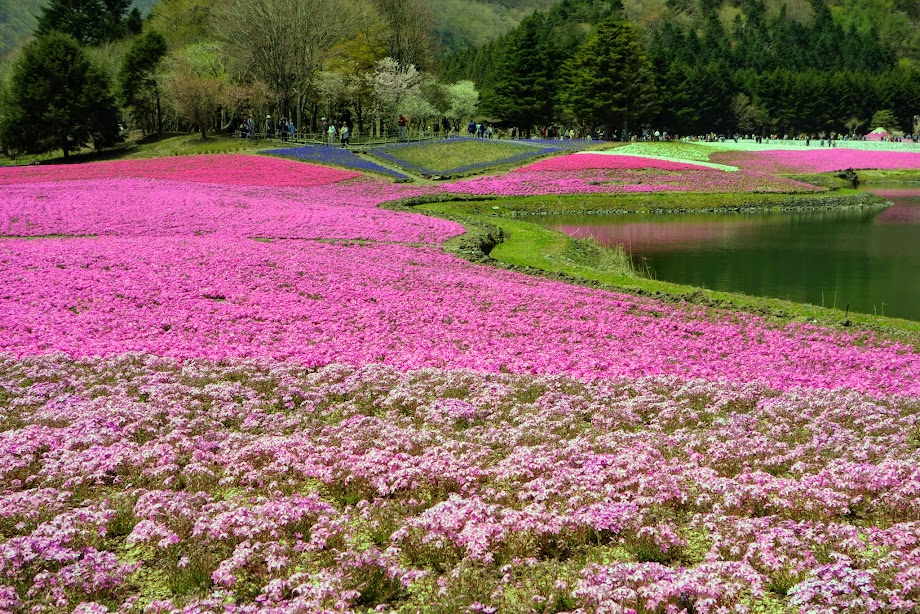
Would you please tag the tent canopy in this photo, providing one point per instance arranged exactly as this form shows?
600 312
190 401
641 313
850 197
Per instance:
877 135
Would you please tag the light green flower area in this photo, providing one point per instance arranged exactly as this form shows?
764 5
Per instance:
799 145
670 151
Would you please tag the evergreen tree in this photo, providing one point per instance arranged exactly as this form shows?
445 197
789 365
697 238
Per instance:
608 82
91 22
57 100
137 80
523 86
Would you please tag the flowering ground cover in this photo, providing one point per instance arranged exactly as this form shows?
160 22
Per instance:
226 169
459 155
589 173
818 160
334 155
565 144
316 302
241 398
136 483
147 207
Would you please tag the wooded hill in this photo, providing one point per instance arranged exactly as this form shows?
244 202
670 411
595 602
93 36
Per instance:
754 67
684 66
461 23
18 21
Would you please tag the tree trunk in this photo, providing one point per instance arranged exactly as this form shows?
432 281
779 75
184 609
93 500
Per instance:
156 93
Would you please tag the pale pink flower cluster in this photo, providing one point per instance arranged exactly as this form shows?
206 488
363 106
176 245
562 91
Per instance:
279 488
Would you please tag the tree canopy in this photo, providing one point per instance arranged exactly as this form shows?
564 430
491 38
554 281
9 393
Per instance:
138 82
90 22
608 80
57 99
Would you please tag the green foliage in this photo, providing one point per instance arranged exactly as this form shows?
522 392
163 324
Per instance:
524 85
608 81
138 83
91 22
57 100
442 157
884 119
17 21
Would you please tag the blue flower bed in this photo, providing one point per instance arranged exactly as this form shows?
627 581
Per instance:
337 156
539 150
562 144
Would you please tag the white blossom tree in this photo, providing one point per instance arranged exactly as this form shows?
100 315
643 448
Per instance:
396 89
462 100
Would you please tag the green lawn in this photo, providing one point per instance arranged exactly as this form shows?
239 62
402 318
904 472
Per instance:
653 202
156 147
449 157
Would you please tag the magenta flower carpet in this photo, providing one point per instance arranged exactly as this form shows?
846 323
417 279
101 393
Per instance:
598 173
818 160
254 391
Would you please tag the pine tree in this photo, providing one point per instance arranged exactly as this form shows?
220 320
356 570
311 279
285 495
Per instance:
608 82
91 22
57 100
523 86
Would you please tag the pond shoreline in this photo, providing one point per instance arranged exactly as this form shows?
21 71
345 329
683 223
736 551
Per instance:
803 203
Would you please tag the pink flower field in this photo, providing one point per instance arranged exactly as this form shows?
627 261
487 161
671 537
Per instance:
148 207
818 160
317 303
267 395
227 169
582 161
592 174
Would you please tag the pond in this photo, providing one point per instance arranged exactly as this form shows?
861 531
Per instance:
867 259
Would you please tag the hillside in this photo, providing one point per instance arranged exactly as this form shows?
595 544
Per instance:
460 23
17 21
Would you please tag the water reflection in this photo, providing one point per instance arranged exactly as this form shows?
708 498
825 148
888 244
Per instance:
867 258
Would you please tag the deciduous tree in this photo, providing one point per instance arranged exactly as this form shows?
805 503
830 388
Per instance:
194 85
138 80
463 101
284 43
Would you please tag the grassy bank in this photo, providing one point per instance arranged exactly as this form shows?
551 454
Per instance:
661 202
159 146
498 234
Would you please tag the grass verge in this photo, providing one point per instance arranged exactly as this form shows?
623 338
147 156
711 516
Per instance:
499 238
158 146
662 202
833 181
